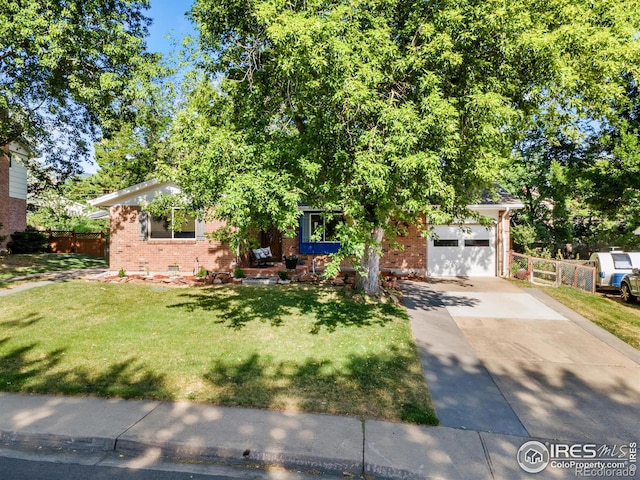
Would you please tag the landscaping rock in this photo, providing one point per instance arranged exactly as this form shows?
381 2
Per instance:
395 297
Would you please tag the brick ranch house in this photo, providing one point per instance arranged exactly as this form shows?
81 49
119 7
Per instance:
13 189
141 243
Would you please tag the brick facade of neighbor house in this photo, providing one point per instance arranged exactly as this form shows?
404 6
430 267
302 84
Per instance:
127 251
13 211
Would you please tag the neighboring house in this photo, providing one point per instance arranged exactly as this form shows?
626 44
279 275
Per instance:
13 189
70 207
139 242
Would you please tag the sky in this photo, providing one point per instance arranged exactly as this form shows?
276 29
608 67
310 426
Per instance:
169 26
168 20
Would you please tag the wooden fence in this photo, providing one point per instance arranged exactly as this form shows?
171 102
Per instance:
553 273
92 243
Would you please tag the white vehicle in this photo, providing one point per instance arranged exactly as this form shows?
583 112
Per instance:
612 266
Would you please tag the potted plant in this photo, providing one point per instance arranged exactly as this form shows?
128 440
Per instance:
291 261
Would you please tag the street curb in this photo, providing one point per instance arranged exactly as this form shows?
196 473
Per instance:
236 457
181 452
291 440
56 442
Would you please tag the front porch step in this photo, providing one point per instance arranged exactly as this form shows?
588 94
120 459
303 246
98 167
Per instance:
260 281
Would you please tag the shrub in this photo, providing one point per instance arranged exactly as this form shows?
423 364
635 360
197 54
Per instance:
283 274
201 273
238 273
29 241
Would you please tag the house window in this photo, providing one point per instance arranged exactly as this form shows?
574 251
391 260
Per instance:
318 227
160 227
477 243
445 242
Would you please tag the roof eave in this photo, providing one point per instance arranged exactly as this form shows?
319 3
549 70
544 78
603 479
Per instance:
111 199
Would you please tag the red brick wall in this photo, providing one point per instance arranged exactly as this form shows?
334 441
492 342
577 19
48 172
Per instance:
13 211
410 254
411 251
127 251
17 215
290 246
134 255
4 194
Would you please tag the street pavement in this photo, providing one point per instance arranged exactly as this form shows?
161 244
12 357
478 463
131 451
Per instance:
505 366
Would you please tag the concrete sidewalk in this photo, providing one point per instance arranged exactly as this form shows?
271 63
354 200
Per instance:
149 432
47 278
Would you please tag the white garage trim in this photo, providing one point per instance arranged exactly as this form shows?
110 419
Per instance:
468 251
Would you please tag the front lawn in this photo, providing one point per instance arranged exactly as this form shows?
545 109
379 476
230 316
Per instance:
606 311
26 264
281 347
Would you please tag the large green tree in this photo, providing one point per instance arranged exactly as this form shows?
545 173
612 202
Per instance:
542 172
580 183
71 71
382 109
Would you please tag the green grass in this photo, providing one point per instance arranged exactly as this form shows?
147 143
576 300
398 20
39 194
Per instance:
607 311
295 347
19 265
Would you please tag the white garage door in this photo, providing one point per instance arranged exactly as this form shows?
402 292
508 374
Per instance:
468 252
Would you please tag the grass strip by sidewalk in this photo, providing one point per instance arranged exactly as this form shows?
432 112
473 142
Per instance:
282 347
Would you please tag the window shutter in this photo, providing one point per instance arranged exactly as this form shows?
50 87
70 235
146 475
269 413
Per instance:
200 229
144 225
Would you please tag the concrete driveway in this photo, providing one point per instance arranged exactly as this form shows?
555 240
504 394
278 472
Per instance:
507 360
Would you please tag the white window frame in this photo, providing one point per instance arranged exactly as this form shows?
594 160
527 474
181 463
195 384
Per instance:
309 225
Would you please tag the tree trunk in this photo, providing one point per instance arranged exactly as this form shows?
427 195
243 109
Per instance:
367 276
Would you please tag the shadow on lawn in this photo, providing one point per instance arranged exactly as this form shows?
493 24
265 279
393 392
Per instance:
381 386
238 306
28 320
24 369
